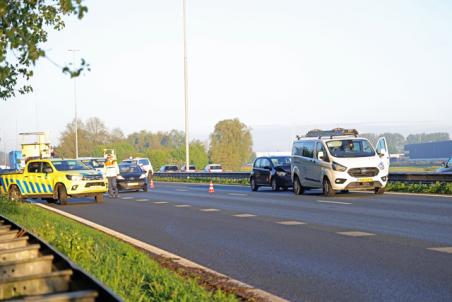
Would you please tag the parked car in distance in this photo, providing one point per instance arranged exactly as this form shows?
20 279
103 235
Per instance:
273 171
131 177
191 168
339 160
143 163
213 168
447 166
169 168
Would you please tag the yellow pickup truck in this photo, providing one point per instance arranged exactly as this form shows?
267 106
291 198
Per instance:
54 180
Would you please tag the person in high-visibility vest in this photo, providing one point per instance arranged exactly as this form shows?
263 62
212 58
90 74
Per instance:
112 171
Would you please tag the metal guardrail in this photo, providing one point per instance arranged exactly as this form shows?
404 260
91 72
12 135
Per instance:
32 270
425 178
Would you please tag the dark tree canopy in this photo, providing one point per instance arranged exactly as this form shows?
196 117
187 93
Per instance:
24 27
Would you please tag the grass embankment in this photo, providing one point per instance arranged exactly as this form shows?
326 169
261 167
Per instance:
436 188
131 273
215 180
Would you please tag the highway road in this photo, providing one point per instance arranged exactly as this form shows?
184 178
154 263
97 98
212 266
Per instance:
353 247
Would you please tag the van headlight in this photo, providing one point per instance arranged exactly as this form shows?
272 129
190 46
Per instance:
381 166
339 167
74 177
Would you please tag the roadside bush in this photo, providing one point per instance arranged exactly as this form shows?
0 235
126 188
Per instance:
436 188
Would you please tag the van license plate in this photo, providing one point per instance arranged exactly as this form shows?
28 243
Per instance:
365 180
132 184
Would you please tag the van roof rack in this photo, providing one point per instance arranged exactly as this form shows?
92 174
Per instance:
331 133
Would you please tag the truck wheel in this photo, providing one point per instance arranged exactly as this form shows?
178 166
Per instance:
15 194
379 191
49 200
62 194
327 188
275 187
99 198
297 187
254 186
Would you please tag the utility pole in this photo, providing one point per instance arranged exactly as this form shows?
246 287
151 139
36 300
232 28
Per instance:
75 103
187 141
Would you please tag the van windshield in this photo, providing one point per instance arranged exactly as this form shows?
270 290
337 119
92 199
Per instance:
350 148
69 165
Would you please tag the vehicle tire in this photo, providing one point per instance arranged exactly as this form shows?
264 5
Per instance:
327 188
62 194
99 198
15 194
379 191
254 186
49 200
275 187
345 191
297 187
145 188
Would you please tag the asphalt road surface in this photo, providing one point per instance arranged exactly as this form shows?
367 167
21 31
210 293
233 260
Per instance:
353 247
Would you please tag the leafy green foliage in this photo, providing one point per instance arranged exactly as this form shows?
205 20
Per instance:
427 137
131 273
23 31
436 188
231 144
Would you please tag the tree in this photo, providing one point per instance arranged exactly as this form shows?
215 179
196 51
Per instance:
23 31
67 141
372 137
231 144
97 131
395 141
427 137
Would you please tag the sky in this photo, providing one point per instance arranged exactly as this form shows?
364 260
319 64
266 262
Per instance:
281 67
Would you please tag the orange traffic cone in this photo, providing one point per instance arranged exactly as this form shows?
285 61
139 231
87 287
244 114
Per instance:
152 184
211 189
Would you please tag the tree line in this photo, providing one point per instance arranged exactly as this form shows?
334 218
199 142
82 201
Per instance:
230 144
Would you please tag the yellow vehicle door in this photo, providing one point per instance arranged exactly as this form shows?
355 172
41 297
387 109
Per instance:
37 180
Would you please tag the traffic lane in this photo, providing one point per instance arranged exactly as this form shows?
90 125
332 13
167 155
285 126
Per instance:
298 262
406 221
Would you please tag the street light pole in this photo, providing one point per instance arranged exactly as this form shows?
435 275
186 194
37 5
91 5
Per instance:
187 143
75 104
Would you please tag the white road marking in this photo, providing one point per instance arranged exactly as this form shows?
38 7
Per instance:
444 249
335 202
244 215
128 197
237 194
182 190
144 199
291 222
355 234
182 205
209 210
160 202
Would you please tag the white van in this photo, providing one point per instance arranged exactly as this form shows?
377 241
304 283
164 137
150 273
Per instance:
339 160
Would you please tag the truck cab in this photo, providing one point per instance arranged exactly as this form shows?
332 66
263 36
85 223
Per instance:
55 180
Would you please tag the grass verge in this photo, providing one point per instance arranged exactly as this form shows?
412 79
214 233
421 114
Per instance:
131 273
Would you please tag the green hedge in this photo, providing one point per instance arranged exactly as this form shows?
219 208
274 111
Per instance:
436 188
128 271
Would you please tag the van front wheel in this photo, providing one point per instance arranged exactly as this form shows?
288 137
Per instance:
327 188
297 187
379 191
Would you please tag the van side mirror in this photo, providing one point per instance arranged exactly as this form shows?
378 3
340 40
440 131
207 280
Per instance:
445 165
382 152
321 155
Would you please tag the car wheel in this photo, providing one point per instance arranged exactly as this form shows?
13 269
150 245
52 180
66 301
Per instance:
254 186
297 187
62 194
15 194
379 191
275 187
99 198
327 188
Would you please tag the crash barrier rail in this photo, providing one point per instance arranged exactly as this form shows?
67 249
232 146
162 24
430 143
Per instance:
30 269
425 178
